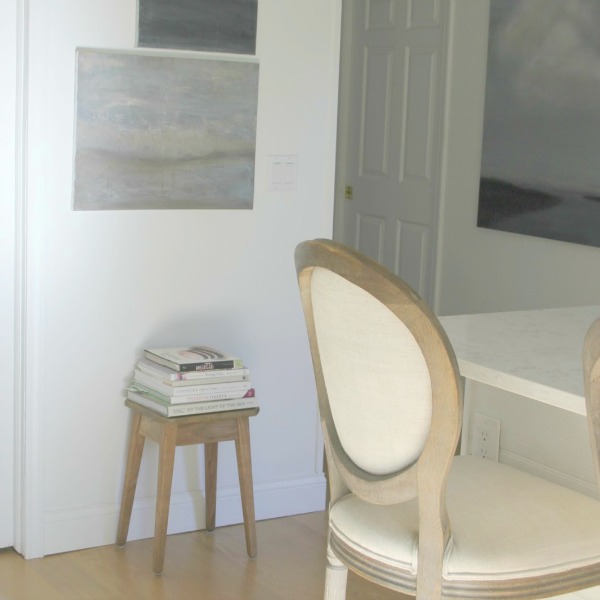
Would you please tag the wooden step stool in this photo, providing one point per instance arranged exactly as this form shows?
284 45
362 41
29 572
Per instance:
208 429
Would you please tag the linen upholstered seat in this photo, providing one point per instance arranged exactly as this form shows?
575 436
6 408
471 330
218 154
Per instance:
404 511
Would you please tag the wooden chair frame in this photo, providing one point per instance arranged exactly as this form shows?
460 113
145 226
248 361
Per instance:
426 479
440 448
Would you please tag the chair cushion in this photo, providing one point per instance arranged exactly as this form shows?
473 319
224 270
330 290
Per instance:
378 382
505 524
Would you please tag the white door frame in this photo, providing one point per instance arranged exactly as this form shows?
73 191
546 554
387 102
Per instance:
22 525
343 109
8 103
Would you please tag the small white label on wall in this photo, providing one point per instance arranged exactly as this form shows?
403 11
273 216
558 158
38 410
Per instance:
282 173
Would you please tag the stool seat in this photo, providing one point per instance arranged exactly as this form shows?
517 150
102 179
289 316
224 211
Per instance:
170 432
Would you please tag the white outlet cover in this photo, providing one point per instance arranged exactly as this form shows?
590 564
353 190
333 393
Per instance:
485 437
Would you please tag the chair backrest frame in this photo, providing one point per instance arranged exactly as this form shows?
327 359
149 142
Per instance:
426 477
591 372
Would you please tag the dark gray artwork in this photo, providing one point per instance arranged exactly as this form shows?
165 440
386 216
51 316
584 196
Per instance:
540 171
164 132
210 25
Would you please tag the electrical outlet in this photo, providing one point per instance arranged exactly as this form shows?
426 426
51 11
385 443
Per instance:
485 437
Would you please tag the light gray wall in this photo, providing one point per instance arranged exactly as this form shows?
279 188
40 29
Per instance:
8 41
104 285
482 270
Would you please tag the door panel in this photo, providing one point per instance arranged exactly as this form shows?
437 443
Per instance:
424 13
391 102
412 246
375 121
380 14
370 236
420 91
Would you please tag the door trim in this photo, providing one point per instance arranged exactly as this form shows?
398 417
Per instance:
28 464
8 42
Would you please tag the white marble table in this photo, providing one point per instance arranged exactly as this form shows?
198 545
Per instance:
533 353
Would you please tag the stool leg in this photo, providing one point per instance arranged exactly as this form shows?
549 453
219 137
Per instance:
163 496
132 470
211 450
242 448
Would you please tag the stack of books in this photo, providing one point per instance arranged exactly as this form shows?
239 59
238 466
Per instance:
187 381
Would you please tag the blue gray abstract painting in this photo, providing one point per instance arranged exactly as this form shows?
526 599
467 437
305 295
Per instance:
211 25
541 142
164 132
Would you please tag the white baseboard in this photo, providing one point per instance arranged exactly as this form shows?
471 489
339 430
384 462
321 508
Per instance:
87 527
549 473
589 594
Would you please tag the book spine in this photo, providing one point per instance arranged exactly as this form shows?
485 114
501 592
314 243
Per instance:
240 373
208 407
235 363
178 378
213 365
146 401
208 397
216 377
161 361
190 409
159 371
192 388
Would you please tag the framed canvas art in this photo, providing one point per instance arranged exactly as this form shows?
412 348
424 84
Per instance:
162 132
209 25
541 142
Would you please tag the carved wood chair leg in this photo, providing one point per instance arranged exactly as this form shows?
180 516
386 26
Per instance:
242 448
165 479
336 577
211 450
132 470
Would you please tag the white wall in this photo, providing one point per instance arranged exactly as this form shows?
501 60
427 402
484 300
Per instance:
8 41
481 270
104 285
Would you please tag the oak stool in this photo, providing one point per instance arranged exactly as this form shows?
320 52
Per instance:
170 432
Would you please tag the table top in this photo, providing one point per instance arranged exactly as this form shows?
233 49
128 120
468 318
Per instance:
532 353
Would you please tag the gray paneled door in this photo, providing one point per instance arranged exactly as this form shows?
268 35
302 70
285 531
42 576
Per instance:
391 109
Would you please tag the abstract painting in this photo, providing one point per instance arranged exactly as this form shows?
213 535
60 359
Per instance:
541 146
162 132
210 25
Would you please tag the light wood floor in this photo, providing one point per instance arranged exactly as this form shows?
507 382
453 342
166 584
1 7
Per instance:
198 566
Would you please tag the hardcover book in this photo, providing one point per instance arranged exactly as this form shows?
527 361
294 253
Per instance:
194 408
195 358
183 378
194 387
197 397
